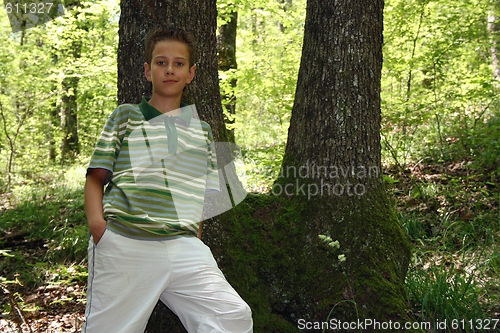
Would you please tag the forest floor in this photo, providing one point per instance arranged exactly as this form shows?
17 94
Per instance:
450 212
51 308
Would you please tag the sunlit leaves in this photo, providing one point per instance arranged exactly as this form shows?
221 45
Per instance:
268 52
437 65
33 66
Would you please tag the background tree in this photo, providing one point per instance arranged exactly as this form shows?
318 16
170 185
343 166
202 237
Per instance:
70 146
494 29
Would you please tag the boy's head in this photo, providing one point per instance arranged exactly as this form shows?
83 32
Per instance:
169 33
170 63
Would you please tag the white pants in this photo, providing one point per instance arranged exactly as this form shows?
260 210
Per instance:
128 276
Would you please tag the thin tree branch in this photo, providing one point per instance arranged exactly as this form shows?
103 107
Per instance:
21 319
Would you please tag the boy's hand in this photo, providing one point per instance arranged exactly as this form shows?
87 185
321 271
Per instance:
97 229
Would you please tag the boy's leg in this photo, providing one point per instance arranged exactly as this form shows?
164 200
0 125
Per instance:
126 277
199 293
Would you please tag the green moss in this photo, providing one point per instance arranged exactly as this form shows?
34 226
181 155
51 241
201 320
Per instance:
272 255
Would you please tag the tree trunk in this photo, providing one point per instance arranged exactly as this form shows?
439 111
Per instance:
333 160
70 146
69 120
226 50
137 18
53 123
494 32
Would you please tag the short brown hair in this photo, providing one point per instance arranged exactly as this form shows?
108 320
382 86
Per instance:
159 34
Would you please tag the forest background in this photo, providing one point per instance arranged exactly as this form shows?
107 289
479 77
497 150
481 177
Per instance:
440 137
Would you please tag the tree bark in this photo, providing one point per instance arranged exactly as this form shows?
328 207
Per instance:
70 145
69 119
333 160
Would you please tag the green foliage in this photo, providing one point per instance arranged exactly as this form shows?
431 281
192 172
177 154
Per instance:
438 92
440 105
51 211
451 217
34 64
262 166
412 225
269 43
442 293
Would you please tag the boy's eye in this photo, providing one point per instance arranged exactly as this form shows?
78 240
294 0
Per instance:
179 63
160 63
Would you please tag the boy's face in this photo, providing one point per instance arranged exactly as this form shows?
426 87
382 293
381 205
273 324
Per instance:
169 70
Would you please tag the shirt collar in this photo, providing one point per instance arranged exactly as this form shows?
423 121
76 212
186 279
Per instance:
149 112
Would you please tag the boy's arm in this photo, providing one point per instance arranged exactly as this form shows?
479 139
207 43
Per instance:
94 189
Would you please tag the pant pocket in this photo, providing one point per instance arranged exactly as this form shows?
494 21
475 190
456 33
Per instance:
103 240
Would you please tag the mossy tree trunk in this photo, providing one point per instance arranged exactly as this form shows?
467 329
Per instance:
333 162
137 18
70 145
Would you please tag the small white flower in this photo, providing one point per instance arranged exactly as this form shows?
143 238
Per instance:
326 239
334 244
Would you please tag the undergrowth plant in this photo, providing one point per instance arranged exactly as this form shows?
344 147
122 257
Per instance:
443 292
46 221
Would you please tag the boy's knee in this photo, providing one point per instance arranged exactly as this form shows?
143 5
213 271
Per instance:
237 318
243 311
237 321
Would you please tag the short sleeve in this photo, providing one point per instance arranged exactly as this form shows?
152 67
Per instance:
107 146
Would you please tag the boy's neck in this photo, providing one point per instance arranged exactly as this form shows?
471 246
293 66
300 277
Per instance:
166 105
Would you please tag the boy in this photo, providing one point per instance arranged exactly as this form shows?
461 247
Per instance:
157 161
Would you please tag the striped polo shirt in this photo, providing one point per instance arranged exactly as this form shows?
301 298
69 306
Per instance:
160 169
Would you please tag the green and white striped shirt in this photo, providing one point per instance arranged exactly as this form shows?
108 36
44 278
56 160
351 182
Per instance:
160 169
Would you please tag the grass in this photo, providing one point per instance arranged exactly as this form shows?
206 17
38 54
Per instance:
451 214
43 241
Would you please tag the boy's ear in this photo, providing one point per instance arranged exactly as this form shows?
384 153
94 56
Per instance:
192 71
147 71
